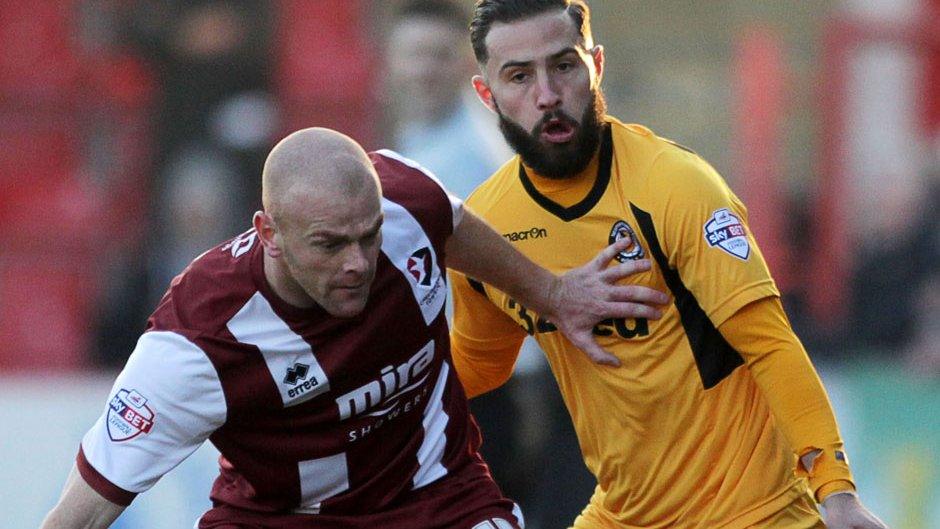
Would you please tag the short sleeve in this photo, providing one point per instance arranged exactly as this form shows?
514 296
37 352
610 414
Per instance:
706 238
163 406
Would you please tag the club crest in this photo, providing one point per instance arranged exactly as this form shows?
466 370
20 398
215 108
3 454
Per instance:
419 266
622 230
725 231
129 416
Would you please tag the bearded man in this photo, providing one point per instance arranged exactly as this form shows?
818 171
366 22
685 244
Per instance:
710 417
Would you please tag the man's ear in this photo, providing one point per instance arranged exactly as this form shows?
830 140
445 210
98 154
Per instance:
483 92
597 54
267 232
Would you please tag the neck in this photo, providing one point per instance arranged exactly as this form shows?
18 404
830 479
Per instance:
281 282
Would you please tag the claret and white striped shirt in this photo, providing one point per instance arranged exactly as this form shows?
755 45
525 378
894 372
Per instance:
311 413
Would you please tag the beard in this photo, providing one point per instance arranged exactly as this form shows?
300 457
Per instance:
558 161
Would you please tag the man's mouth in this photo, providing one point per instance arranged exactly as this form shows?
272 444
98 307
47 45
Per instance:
557 131
351 287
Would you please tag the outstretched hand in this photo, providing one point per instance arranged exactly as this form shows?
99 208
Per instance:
587 295
845 511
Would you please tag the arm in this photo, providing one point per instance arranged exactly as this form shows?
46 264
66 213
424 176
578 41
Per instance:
705 237
574 302
484 341
81 507
163 405
783 372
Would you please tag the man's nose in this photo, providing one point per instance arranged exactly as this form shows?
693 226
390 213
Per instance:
355 259
548 97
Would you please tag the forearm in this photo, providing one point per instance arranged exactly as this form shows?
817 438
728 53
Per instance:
80 507
481 253
787 379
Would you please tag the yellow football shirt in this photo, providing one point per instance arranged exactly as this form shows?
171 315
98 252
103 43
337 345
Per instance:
679 434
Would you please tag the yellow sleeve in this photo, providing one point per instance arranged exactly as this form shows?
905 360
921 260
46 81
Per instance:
705 236
484 341
761 333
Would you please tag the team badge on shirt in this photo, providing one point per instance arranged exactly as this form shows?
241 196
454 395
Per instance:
128 416
420 266
725 231
622 230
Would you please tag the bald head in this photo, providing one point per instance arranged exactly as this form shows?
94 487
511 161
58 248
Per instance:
321 228
315 164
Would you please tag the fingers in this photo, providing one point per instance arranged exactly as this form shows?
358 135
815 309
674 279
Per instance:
637 294
632 310
598 355
607 254
615 273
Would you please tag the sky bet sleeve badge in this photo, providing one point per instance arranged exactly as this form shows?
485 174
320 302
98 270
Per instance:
725 231
128 416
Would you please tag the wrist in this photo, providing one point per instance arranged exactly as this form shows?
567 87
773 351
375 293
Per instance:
553 298
840 500
826 470
833 488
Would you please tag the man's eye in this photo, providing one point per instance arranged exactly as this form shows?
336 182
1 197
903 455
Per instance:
565 66
329 245
518 77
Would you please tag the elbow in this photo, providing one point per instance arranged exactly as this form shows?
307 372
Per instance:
495 380
479 382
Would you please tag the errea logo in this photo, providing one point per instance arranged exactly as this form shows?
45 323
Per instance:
296 376
296 373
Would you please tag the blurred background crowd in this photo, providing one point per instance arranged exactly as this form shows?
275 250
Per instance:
132 134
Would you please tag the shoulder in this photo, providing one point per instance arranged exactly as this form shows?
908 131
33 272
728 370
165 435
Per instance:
212 289
643 147
500 186
402 177
668 169
408 186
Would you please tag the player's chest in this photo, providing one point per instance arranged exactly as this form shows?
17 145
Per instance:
561 247
560 244
328 370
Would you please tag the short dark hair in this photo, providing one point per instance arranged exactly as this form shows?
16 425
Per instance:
488 12
443 10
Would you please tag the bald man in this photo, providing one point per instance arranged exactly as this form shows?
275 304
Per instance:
313 352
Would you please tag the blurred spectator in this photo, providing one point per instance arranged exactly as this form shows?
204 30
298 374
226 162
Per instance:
528 440
924 349
214 121
438 121
895 269
924 353
200 185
